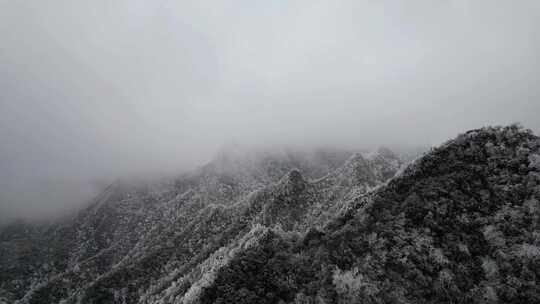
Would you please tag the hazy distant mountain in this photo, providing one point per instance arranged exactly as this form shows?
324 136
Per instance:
459 225
138 239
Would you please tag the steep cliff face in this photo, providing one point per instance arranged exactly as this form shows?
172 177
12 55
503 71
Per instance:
140 242
460 225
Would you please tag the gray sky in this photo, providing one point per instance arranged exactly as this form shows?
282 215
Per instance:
93 90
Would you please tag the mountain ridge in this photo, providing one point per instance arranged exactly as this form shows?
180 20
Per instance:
459 224
462 230
137 224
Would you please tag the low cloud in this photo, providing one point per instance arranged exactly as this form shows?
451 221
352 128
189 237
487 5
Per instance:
105 89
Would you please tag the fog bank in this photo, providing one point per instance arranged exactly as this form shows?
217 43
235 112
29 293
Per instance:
93 91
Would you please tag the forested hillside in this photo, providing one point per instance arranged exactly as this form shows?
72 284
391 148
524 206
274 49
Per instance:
138 241
461 224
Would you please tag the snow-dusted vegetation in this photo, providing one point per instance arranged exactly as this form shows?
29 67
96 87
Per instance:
461 224
165 241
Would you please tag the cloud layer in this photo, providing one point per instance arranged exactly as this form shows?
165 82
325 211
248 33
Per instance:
102 89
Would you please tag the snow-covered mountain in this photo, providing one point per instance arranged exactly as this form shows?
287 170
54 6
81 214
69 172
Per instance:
137 239
461 224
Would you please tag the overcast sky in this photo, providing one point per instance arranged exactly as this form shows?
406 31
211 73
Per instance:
94 90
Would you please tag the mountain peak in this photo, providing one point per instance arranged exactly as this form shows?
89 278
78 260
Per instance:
293 182
295 177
